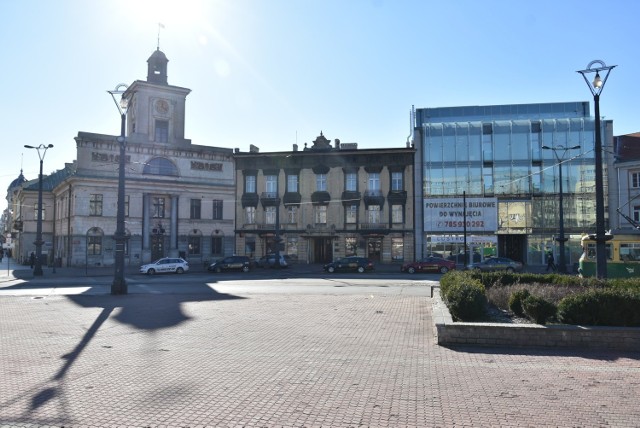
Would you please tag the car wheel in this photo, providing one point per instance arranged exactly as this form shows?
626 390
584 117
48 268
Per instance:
411 270
360 269
179 270
245 268
151 272
331 269
510 270
218 269
444 269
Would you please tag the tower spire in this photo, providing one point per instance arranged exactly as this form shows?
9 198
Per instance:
160 26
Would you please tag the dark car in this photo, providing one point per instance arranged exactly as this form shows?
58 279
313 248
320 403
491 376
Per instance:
269 261
240 263
355 264
493 264
429 264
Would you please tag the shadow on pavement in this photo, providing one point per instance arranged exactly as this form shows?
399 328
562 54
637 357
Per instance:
149 312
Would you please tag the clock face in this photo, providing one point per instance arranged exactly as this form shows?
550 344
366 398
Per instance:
162 106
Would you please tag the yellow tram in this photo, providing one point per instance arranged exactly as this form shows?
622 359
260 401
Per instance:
623 256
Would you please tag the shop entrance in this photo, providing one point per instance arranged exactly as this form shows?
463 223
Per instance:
374 247
513 247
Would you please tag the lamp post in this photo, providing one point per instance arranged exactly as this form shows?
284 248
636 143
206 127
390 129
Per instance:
119 285
42 151
596 88
561 239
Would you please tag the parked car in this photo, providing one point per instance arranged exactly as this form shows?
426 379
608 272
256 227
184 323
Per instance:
429 264
165 265
269 261
240 263
497 264
356 264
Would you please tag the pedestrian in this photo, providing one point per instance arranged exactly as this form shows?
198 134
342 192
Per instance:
1 254
551 262
32 259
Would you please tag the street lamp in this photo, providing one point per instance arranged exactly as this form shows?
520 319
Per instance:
42 151
596 88
561 239
119 285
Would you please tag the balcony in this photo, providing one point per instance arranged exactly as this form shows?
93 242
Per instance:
269 199
292 198
350 197
249 200
397 197
373 197
322 197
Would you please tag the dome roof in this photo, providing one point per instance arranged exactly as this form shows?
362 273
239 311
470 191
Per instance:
17 182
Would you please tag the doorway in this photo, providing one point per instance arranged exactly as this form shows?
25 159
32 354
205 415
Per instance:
513 247
157 247
322 250
374 247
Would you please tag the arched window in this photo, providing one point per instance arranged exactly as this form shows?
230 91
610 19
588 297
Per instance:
94 241
160 166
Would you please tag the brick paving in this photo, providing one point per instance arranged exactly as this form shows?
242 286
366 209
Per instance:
265 360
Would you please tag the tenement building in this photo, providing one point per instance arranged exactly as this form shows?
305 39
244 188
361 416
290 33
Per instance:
179 197
490 177
326 201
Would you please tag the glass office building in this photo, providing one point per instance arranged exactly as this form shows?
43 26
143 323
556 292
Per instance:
490 177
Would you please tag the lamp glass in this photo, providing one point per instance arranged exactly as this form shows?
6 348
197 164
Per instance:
597 81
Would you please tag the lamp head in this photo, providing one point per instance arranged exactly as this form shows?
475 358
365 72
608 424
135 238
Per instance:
49 146
26 146
597 81
546 147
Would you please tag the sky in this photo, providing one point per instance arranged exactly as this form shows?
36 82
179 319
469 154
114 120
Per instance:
274 73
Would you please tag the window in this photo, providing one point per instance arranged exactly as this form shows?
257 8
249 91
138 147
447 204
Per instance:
160 166
94 241
321 183
194 245
250 215
195 209
351 214
320 214
158 207
126 205
292 214
292 183
35 211
351 182
396 214
351 246
635 179
271 183
162 131
95 205
250 184
396 181
374 181
292 246
270 215
636 212
250 245
216 246
373 214
217 209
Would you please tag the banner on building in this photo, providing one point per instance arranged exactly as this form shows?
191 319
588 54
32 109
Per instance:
448 215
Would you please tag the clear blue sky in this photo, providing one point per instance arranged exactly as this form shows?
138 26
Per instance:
276 72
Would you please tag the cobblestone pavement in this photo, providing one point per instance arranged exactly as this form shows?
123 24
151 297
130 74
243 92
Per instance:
277 360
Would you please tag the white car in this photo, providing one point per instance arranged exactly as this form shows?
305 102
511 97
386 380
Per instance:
164 265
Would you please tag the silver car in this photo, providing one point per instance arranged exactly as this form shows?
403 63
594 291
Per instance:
165 265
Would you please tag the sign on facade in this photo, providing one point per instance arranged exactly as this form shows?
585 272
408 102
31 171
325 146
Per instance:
448 215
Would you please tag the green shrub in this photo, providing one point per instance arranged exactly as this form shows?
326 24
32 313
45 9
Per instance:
515 301
465 299
609 306
538 309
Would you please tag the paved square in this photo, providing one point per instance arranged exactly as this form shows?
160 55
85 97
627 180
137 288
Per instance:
277 360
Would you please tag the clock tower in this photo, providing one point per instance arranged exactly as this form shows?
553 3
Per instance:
157 110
